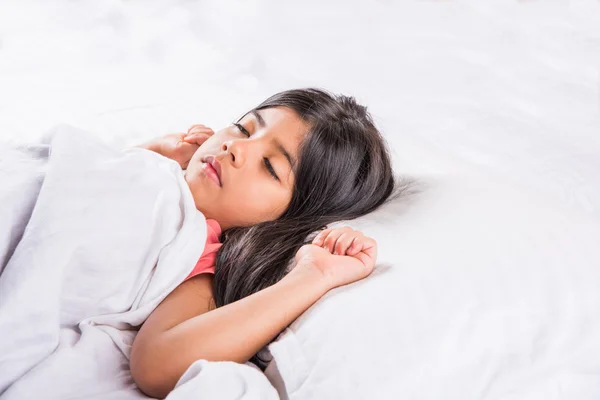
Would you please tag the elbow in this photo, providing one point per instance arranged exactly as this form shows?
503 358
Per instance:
148 372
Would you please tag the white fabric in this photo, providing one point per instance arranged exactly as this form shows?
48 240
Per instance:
506 89
224 381
110 235
481 291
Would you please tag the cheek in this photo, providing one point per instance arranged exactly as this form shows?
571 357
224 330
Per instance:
196 188
250 203
263 202
215 142
205 150
195 160
211 147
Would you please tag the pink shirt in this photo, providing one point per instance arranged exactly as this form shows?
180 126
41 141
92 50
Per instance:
206 263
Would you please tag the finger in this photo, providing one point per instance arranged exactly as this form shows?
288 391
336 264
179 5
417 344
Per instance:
183 145
198 131
197 138
195 132
356 246
332 237
184 151
365 245
199 128
302 251
318 240
344 242
368 262
196 126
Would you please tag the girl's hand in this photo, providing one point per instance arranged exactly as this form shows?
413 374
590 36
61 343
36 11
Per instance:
181 146
341 256
198 134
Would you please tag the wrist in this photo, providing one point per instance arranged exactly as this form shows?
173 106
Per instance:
305 273
152 146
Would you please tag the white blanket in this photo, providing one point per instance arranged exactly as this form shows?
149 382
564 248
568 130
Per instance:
91 240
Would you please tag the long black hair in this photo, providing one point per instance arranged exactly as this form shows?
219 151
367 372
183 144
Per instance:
343 172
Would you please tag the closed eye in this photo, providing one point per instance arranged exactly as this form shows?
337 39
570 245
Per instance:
241 128
266 161
270 168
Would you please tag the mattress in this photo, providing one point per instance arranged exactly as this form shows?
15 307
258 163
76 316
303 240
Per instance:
488 267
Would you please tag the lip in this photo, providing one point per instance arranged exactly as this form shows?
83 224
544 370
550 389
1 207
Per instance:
212 167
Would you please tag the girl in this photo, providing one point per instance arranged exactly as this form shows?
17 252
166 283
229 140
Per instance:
299 161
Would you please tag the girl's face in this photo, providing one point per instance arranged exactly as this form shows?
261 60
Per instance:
255 162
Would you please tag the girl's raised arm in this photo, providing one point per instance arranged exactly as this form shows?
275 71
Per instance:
181 330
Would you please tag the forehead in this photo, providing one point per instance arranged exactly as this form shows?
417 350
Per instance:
281 122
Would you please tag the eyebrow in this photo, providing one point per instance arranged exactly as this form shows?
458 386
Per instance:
259 118
286 154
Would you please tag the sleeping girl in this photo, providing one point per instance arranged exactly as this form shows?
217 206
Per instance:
299 161
296 163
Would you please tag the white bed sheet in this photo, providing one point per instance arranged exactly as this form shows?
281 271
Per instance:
509 90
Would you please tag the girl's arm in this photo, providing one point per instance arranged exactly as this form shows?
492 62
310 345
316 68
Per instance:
181 330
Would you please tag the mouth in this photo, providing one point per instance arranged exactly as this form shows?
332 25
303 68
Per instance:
212 168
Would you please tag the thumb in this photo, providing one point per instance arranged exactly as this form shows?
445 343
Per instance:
305 252
196 138
184 145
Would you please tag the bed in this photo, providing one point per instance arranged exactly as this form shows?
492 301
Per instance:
489 268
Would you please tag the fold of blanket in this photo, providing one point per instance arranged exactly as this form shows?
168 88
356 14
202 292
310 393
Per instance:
224 380
91 240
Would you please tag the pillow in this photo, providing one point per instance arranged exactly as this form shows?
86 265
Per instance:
481 290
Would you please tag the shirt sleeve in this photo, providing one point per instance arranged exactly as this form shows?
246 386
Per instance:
206 263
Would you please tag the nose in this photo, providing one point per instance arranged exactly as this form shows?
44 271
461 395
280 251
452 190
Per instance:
236 151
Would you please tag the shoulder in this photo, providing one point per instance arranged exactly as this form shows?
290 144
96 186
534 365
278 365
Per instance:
193 297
